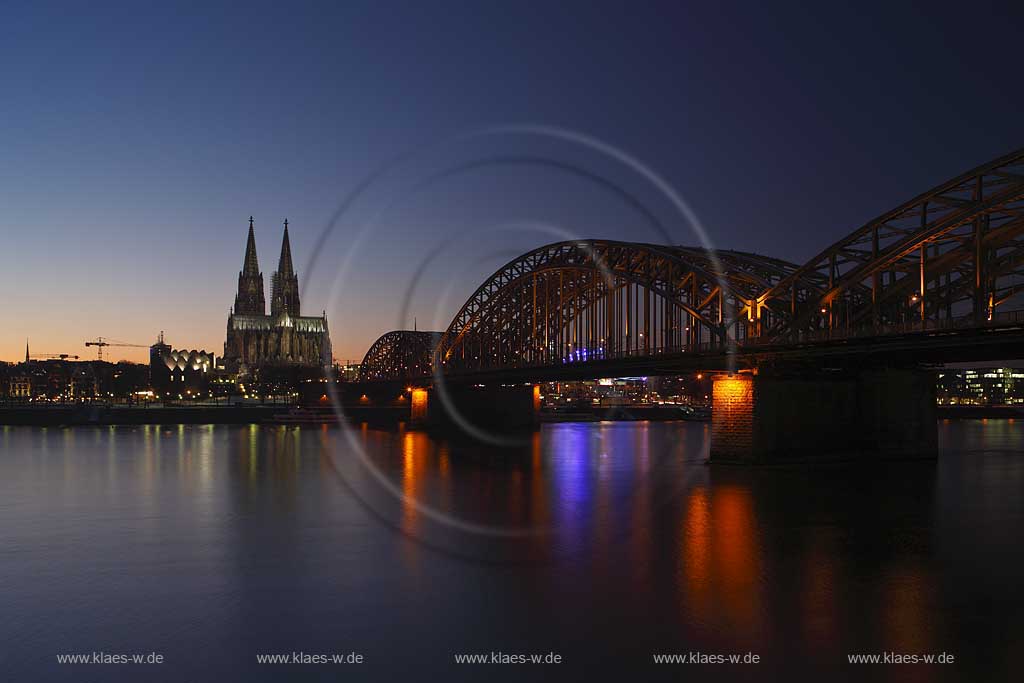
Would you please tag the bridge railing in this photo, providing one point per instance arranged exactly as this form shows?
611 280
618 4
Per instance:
999 319
609 355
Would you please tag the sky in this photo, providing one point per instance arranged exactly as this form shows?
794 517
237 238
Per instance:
415 147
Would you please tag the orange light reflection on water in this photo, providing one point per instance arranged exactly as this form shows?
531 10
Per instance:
721 559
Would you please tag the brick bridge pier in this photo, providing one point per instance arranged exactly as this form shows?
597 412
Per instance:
875 414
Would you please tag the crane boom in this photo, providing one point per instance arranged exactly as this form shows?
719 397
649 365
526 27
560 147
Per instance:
100 342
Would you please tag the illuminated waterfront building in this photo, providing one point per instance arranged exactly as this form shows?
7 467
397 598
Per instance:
65 380
20 387
981 386
181 373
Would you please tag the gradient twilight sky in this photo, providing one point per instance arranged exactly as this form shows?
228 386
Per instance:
136 140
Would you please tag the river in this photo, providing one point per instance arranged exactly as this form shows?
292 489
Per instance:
604 543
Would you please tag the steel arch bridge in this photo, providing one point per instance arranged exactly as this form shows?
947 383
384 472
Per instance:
573 302
949 261
399 355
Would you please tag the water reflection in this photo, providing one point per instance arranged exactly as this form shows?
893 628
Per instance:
721 559
185 535
819 604
416 451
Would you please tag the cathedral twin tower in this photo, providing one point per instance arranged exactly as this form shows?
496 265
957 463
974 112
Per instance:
284 283
284 338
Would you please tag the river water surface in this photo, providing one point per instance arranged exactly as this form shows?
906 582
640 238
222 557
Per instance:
605 543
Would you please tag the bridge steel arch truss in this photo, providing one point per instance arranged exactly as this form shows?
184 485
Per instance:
578 301
951 257
399 355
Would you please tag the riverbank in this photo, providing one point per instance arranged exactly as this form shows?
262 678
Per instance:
85 414
632 413
979 412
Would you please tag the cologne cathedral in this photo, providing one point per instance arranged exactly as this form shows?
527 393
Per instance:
285 337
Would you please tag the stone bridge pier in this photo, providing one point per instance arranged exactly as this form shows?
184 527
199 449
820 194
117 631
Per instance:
489 408
810 416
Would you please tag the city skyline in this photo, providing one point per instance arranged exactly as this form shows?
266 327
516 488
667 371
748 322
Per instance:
409 341
133 159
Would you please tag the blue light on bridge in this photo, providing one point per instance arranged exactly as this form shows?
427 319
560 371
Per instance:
583 355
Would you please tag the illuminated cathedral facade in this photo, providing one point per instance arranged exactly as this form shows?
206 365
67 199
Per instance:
256 340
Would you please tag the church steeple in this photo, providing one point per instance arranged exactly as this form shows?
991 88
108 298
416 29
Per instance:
284 264
284 288
251 266
26 349
250 299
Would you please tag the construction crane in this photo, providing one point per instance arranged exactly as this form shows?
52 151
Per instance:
54 356
105 341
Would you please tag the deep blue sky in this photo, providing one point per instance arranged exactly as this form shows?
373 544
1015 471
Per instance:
137 139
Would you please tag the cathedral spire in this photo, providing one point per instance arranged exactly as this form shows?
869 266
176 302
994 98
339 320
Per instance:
26 349
284 284
251 266
284 265
250 300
